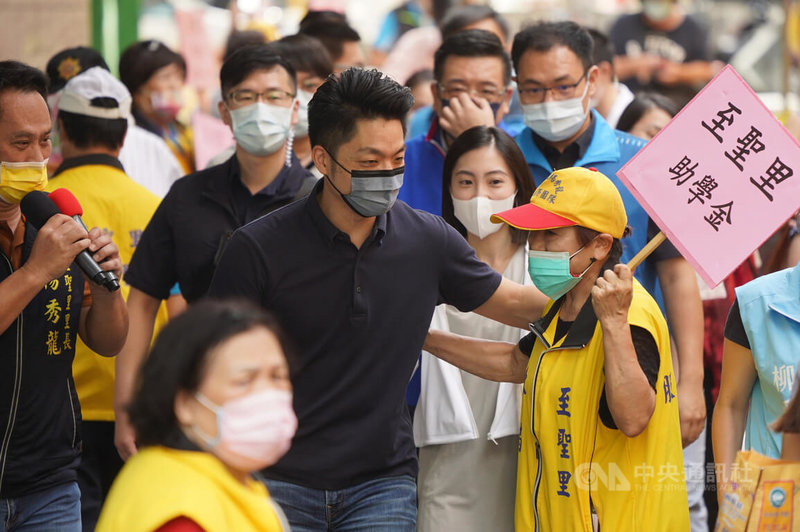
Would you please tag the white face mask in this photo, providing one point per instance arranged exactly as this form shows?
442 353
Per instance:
301 127
556 120
261 129
474 213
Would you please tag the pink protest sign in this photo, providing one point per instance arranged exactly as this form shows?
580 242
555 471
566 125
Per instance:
720 178
201 62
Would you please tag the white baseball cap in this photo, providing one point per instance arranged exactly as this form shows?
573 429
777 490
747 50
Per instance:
81 91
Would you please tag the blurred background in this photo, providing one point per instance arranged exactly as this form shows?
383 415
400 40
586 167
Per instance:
760 38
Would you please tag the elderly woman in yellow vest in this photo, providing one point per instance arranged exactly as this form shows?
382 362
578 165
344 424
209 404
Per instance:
214 404
600 434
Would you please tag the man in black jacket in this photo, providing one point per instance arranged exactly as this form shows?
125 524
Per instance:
43 305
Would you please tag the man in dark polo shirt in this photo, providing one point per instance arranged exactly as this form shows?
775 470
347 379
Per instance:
185 237
354 278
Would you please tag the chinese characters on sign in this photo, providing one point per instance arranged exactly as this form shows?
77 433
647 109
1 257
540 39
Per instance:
718 180
701 189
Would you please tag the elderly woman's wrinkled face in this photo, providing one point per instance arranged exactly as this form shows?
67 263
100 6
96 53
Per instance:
560 239
242 410
246 363
564 239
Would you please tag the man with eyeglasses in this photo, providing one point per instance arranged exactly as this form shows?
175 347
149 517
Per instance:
186 236
556 80
472 73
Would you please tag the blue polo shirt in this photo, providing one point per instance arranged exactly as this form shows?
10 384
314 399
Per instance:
357 318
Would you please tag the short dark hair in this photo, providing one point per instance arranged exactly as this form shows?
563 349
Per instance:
241 39
179 360
478 137
471 43
306 54
142 59
354 95
16 76
641 103
332 33
420 76
89 131
247 60
459 17
543 36
321 17
602 48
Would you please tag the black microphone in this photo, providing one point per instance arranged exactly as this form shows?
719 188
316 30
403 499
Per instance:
38 208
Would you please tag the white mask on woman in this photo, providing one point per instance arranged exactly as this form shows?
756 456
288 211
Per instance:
474 213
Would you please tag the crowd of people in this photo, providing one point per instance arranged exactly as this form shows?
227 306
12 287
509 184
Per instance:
400 300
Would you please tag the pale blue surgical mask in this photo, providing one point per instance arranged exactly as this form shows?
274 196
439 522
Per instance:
549 271
260 128
301 127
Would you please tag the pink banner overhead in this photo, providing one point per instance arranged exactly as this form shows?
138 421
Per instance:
201 62
720 178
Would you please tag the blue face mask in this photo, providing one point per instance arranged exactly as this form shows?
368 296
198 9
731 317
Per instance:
549 271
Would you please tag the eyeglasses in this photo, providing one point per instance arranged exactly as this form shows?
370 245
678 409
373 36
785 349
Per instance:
271 96
560 92
489 93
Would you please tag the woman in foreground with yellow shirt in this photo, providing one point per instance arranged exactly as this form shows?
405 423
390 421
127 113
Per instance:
213 405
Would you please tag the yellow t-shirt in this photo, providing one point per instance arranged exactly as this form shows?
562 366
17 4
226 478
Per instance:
570 461
118 205
159 484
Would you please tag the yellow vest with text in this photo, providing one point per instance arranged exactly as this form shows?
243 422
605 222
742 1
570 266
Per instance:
159 484
118 205
570 461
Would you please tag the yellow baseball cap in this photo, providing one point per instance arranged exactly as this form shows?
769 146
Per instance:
568 197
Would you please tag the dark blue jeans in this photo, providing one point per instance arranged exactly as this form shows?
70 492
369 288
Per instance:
55 510
386 504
